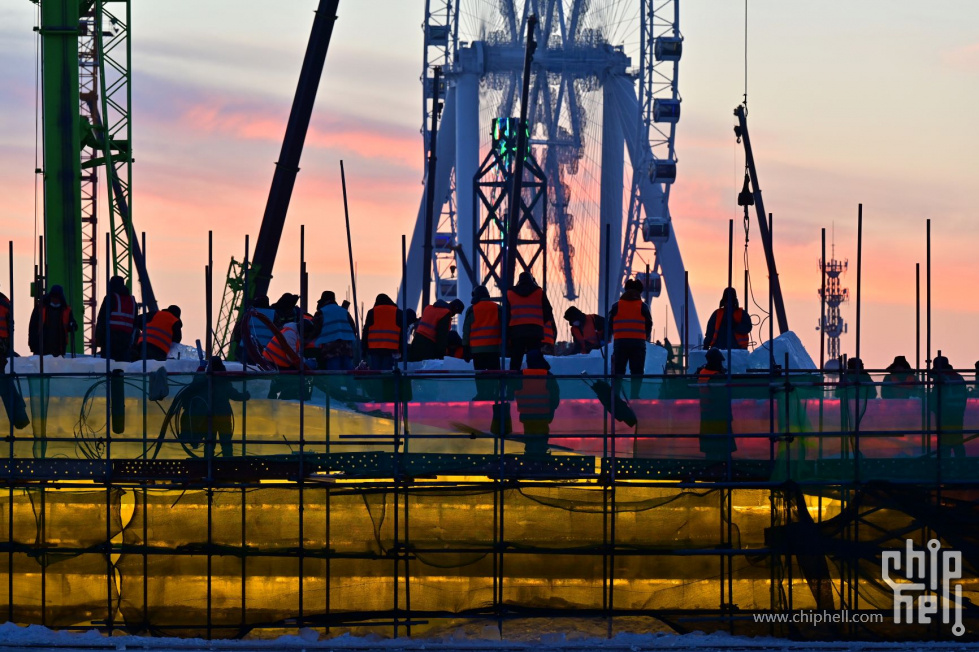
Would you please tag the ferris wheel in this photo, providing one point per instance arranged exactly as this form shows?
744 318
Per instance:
603 91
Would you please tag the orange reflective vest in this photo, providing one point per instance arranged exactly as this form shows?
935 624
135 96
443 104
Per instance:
533 399
159 332
528 310
587 337
550 333
385 332
703 376
4 320
629 323
740 339
486 329
428 324
65 316
284 356
455 352
122 317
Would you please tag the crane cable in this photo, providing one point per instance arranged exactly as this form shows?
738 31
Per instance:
746 198
746 57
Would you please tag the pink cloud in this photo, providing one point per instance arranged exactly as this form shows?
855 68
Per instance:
965 57
346 133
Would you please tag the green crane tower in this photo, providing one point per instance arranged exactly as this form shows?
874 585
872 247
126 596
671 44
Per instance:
87 134
62 147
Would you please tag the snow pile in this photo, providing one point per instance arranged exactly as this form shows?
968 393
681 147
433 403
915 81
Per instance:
36 637
742 361
787 342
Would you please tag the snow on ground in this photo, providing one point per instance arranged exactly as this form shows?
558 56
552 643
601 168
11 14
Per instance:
13 637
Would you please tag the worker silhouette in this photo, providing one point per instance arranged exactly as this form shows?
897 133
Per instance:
482 333
529 310
716 419
900 381
719 324
163 330
52 324
631 325
537 397
119 308
13 401
286 309
253 330
854 390
382 337
947 405
587 331
209 417
333 334
431 337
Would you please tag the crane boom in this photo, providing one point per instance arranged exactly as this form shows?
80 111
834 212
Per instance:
741 131
287 167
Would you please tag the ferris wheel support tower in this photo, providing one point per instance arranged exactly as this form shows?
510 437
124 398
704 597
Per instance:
578 58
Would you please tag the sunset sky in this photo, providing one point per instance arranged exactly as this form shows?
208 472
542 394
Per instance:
870 101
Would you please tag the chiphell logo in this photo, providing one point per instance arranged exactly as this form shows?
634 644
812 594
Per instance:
928 588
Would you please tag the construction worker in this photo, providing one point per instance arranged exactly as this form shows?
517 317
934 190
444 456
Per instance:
310 350
335 334
529 310
947 403
717 440
550 337
284 349
120 308
718 325
537 398
10 395
900 381
51 324
286 310
854 390
163 330
671 363
382 338
453 347
587 331
253 330
482 335
208 412
431 334
6 327
482 331
631 325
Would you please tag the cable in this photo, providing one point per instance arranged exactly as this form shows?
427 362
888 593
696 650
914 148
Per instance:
746 57
37 109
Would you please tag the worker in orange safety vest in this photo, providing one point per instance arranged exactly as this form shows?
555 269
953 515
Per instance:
163 330
631 325
719 325
432 331
528 310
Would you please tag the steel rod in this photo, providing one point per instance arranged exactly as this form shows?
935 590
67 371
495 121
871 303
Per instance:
350 250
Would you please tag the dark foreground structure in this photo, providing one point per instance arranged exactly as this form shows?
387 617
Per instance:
390 503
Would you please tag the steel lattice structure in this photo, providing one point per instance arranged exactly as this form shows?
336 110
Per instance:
590 108
88 82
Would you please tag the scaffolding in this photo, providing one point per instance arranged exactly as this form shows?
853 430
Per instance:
384 503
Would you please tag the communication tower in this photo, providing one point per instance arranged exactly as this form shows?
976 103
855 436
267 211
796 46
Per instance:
832 322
